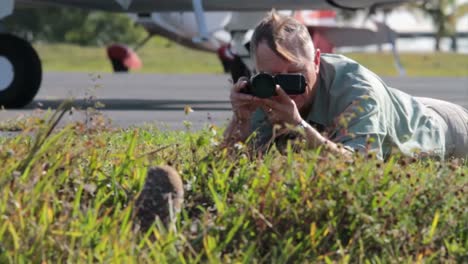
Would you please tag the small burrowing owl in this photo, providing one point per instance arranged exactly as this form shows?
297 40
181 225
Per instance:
162 196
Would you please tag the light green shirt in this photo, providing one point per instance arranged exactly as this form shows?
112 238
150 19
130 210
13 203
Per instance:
354 107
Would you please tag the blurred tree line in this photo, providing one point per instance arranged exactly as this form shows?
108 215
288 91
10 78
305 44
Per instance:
443 14
73 25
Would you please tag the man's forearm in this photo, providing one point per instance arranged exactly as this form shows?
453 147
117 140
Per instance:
316 140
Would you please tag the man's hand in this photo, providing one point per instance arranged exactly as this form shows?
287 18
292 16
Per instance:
243 105
281 109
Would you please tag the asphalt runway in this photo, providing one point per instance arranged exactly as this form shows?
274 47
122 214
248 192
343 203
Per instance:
138 99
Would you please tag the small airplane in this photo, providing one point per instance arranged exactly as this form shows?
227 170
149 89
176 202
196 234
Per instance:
327 33
21 68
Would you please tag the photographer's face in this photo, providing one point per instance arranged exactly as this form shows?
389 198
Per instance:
267 61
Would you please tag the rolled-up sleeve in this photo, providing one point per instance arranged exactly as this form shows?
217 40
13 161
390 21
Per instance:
361 126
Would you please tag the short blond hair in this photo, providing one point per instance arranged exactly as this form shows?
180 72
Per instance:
285 36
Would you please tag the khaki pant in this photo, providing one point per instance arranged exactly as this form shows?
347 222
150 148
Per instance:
456 118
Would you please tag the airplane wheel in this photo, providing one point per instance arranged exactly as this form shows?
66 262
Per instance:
239 69
20 72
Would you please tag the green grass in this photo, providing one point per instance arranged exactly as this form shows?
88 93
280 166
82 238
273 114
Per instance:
162 56
417 64
158 55
68 196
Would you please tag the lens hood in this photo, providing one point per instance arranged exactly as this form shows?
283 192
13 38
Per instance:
263 85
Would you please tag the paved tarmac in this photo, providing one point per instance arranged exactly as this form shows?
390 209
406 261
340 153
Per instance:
137 99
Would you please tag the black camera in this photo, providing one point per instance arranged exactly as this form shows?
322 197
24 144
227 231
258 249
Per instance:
263 84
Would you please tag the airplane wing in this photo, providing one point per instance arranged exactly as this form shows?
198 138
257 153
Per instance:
345 36
212 5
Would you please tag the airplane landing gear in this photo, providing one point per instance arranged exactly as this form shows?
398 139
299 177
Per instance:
239 69
20 72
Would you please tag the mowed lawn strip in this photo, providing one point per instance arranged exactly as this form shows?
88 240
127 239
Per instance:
162 56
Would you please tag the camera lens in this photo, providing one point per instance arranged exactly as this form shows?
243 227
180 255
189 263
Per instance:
263 85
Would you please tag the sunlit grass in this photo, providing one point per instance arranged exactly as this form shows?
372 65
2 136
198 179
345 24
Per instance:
158 55
162 56
67 196
416 64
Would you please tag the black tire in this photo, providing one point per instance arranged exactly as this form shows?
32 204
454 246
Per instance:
27 72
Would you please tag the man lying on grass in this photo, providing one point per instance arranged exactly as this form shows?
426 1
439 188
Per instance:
343 103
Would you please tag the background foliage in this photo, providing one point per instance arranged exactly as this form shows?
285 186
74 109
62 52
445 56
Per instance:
72 25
